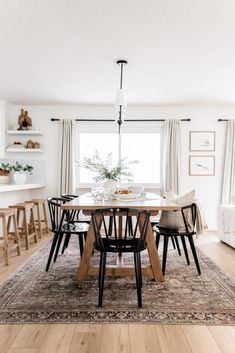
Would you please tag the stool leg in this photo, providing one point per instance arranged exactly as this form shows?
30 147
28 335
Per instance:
33 225
16 233
5 241
45 216
39 221
25 226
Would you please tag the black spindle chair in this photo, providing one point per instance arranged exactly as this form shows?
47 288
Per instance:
60 226
75 214
189 214
108 240
73 217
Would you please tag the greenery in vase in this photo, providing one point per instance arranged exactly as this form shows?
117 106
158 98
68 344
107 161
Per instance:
7 167
22 168
105 169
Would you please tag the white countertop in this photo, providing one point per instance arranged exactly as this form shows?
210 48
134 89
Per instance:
15 187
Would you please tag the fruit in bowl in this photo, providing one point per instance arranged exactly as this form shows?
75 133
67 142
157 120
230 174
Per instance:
123 192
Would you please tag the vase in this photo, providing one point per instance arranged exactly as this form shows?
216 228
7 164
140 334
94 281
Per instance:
111 184
20 177
4 179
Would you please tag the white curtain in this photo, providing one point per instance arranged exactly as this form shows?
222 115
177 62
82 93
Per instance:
172 156
66 157
228 186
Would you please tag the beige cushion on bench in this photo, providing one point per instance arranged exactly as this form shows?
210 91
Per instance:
174 219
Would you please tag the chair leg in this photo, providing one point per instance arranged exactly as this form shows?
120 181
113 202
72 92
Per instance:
165 246
138 282
157 239
101 279
58 246
185 249
177 245
66 243
80 239
53 245
140 269
191 242
173 242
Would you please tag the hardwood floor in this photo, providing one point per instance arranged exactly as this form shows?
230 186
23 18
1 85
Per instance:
123 338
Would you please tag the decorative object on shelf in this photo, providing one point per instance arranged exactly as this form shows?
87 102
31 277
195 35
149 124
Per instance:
202 165
20 172
5 169
202 141
105 169
29 144
17 144
36 145
24 121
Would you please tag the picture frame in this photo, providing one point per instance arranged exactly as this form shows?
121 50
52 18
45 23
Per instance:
201 165
202 141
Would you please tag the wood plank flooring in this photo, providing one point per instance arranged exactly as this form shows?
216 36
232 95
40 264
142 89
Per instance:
121 338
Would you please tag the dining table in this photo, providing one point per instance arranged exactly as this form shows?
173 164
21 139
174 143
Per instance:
151 202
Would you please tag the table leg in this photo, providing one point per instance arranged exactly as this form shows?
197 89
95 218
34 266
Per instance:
86 255
153 254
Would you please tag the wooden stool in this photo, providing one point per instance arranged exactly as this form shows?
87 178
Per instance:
6 216
27 229
41 223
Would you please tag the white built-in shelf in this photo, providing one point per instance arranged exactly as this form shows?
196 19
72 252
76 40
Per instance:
24 150
24 132
15 187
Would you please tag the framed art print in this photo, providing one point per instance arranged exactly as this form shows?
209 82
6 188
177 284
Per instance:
202 141
202 165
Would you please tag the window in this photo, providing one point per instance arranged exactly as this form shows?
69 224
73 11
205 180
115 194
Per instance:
142 142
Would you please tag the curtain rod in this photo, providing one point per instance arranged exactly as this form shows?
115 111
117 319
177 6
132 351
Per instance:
222 120
126 120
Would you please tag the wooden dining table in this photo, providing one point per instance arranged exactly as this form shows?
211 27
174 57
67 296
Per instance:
149 201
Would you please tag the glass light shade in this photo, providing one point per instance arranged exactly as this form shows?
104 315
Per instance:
120 99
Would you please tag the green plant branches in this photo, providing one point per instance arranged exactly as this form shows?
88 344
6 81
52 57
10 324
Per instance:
105 169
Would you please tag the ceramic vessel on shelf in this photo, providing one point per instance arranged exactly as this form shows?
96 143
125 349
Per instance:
4 179
20 177
111 184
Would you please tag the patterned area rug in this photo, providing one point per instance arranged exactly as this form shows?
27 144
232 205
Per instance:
33 295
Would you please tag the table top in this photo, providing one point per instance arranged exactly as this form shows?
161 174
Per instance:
150 201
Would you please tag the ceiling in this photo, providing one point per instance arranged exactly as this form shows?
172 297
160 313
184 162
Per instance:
65 51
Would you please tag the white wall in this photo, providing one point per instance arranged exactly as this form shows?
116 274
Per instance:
2 128
202 118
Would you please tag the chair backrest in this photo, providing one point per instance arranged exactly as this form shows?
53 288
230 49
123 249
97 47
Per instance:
69 196
71 214
189 214
54 204
109 238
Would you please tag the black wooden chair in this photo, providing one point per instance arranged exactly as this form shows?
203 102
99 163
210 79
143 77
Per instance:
174 240
61 226
108 240
76 215
189 215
